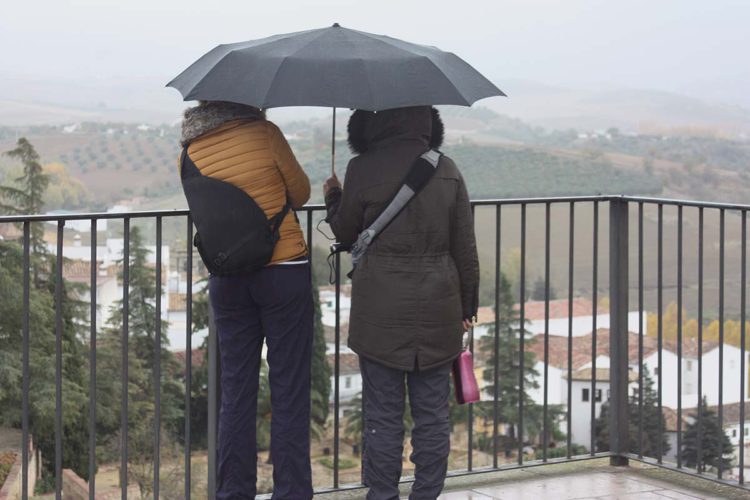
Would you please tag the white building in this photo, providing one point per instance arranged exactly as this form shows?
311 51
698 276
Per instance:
109 288
582 364
328 304
582 398
733 429
350 378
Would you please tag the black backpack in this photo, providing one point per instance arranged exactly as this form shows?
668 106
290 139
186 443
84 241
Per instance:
233 235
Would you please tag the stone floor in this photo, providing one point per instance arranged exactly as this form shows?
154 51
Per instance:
576 480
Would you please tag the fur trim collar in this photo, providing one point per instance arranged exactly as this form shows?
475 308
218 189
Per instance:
209 115
358 133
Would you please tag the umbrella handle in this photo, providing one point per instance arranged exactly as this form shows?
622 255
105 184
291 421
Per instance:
333 144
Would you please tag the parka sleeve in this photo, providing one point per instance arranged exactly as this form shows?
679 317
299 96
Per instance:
345 211
297 182
463 249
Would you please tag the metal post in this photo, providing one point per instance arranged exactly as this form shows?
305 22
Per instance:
157 362
188 354
59 360
618 338
214 399
94 270
26 382
124 377
337 373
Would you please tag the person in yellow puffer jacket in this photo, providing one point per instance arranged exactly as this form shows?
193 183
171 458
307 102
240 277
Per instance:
235 143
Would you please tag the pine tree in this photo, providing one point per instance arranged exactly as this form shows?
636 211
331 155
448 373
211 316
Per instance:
705 425
653 420
26 197
539 290
140 384
509 336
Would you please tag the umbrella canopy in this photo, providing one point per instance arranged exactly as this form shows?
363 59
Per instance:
333 67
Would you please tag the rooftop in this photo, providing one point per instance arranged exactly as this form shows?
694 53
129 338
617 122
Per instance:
534 310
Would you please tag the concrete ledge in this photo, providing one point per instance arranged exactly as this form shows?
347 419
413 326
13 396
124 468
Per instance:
703 487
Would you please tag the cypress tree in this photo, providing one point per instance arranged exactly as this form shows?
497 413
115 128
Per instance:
510 332
712 439
653 419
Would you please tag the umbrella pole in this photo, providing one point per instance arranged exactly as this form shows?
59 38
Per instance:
333 144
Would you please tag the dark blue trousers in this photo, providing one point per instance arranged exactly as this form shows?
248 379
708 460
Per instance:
275 304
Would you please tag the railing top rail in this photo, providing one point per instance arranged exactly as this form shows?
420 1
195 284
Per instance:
686 203
543 199
319 207
139 214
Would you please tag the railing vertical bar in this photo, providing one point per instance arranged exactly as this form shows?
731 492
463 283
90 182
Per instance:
571 246
619 262
594 313
659 313
496 380
25 360
470 410
336 372
722 215
743 327
188 352
58 360
640 329
470 406
310 236
92 362
699 451
124 359
157 360
679 336
522 334
214 389
545 417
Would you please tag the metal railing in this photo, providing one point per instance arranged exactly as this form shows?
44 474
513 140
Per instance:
620 284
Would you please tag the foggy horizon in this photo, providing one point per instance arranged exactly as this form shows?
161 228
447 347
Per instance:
84 54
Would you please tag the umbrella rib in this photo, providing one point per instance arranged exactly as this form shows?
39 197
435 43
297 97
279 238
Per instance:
276 73
389 42
458 92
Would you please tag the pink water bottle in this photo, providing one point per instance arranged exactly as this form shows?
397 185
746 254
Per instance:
464 380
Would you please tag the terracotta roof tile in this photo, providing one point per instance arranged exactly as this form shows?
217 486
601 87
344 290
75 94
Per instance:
731 412
534 310
348 363
197 357
670 419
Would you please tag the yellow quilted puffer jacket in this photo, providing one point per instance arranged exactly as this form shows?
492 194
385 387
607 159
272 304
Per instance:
254 156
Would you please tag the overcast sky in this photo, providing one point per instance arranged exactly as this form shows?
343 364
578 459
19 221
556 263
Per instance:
695 47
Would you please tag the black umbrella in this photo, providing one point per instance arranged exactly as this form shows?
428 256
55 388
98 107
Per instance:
333 67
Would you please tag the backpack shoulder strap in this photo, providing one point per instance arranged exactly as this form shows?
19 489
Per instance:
419 175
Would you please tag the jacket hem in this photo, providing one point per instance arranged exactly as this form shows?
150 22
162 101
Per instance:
407 368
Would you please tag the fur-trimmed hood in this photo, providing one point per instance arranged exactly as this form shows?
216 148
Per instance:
209 115
366 128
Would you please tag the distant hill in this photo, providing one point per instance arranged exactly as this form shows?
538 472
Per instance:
632 110
28 101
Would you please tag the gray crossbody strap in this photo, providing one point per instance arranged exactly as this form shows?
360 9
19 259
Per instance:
419 174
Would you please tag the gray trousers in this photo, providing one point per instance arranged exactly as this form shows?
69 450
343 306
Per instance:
384 391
